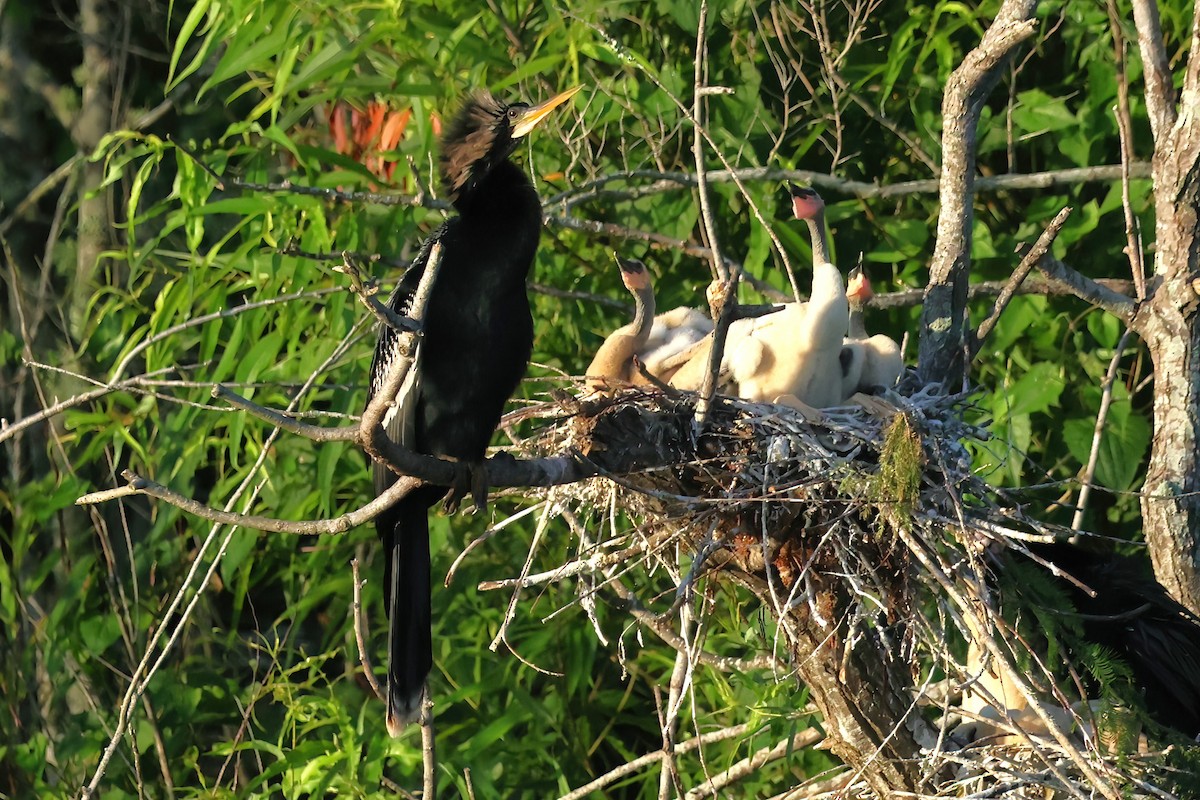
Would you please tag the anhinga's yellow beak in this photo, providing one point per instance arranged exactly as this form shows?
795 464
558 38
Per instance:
531 117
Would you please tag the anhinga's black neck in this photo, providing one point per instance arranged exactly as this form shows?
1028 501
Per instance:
503 193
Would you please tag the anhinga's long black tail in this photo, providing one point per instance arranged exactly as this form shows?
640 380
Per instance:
410 648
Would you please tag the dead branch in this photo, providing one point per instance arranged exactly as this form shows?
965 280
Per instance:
640 762
1065 280
646 182
754 762
1106 396
1028 261
360 633
699 83
1160 90
365 290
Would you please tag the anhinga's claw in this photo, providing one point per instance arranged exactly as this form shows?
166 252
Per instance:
468 477
479 487
463 481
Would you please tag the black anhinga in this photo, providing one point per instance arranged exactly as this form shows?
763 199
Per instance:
1132 615
475 344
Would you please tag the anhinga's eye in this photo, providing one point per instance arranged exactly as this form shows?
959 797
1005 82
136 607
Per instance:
512 113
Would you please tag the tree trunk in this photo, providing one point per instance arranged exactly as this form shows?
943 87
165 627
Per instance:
1171 494
90 127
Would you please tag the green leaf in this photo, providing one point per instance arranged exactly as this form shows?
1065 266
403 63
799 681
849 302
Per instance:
190 23
1036 391
1123 445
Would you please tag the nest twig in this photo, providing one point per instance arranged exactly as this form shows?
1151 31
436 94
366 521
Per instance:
863 531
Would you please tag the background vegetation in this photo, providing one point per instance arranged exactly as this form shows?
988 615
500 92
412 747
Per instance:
205 274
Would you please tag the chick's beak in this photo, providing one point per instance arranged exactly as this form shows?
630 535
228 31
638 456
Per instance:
533 116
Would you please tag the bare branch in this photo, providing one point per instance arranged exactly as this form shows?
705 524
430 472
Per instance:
316 433
360 632
652 758
906 298
1028 262
661 181
1133 243
664 631
727 300
334 525
365 291
10 429
1110 378
1064 279
709 229
123 365
752 763
428 748
1160 90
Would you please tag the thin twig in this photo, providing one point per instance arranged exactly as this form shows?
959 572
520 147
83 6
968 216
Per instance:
1106 397
1066 280
360 632
1028 262
754 762
428 748
1133 244
365 290
699 80
640 762
316 433
658 181
335 525
664 631
511 613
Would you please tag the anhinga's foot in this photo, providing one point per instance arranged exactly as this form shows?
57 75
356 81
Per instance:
479 486
458 489
468 477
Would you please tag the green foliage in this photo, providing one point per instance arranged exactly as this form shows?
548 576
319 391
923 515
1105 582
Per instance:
260 696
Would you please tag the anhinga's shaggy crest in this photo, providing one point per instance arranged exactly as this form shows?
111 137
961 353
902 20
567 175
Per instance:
476 341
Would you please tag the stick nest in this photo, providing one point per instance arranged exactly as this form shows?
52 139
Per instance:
860 523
